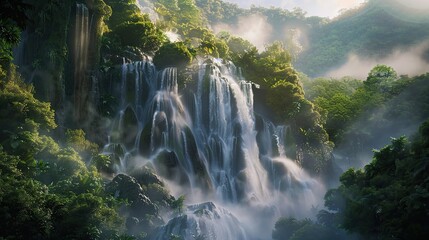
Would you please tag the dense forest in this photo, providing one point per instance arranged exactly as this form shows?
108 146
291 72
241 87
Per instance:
126 119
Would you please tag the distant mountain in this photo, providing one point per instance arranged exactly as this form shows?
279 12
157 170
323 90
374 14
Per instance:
319 45
374 30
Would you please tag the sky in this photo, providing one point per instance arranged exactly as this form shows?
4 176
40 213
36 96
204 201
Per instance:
323 8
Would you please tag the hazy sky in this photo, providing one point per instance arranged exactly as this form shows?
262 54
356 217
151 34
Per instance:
324 8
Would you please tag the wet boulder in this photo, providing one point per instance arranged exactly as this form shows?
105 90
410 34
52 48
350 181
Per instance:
129 128
145 140
203 221
159 126
145 176
115 148
168 166
127 188
198 166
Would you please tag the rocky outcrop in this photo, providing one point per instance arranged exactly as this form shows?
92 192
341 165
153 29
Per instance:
202 221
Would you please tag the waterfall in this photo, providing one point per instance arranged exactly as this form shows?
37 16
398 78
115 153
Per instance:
226 125
211 148
80 60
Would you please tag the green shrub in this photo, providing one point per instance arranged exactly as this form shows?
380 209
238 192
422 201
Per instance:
172 55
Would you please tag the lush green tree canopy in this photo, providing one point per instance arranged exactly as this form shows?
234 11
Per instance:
388 198
47 192
172 55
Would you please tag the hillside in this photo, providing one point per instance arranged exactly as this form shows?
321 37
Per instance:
374 30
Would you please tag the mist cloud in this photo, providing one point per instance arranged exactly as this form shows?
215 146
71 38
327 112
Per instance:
417 4
254 28
405 61
324 8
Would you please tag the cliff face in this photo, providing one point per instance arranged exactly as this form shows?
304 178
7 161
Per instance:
59 54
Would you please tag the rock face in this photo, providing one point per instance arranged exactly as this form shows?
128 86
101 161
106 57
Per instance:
202 221
167 165
129 126
145 176
127 188
142 214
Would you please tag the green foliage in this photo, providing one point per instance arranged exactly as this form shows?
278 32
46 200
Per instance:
285 227
218 11
130 28
339 110
326 88
9 37
46 191
383 99
143 35
284 22
338 100
281 92
177 12
179 204
380 79
85 216
237 46
76 139
388 198
268 67
21 118
24 202
124 11
104 163
13 19
292 229
204 41
172 55
20 108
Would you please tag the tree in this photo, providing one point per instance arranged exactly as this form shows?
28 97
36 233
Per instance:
280 91
24 202
381 78
13 19
143 35
76 139
172 55
46 191
286 227
388 198
292 229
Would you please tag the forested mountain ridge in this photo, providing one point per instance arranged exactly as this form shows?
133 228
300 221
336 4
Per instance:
373 30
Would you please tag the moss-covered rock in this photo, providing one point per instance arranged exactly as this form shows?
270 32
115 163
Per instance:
127 188
160 126
146 176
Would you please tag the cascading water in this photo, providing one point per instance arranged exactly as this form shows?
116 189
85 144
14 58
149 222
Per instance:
208 145
80 58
